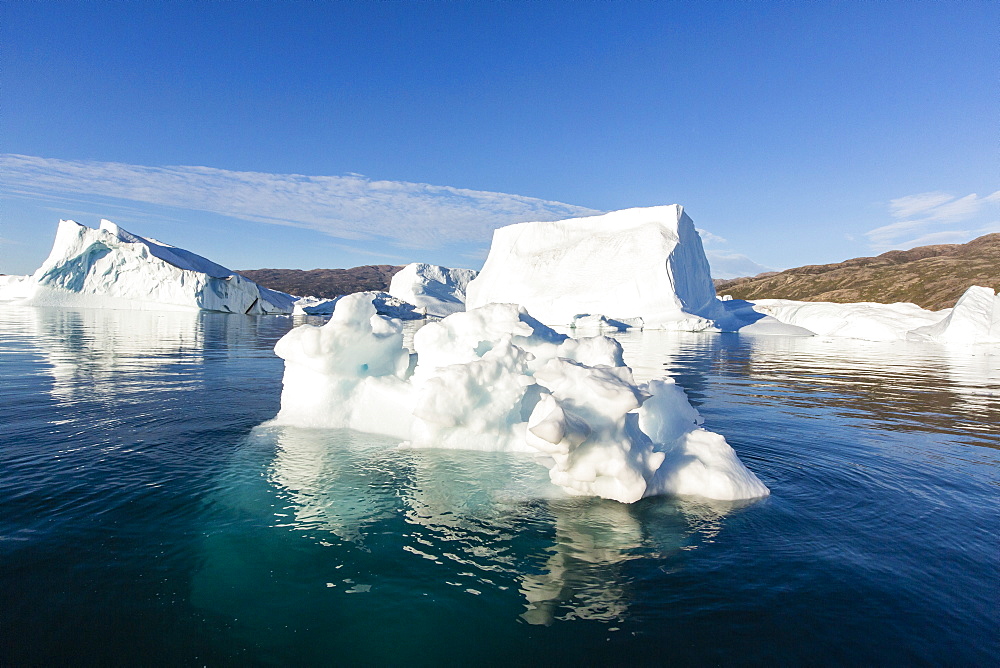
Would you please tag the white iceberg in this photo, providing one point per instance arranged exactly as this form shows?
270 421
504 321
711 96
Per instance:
385 304
494 378
112 268
643 263
975 319
438 290
14 287
862 320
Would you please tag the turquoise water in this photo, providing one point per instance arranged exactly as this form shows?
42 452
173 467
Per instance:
148 515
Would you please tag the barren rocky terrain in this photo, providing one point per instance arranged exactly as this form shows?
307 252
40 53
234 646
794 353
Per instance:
327 283
933 277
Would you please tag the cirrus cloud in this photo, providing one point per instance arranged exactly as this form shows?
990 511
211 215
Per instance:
348 207
920 217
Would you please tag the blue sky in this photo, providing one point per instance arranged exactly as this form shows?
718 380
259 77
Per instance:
311 134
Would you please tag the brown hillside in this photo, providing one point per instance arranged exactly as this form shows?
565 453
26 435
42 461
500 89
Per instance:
933 277
327 283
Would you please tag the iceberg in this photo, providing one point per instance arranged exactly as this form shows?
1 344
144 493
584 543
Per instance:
438 291
862 320
645 263
496 379
974 319
646 267
385 304
110 267
14 287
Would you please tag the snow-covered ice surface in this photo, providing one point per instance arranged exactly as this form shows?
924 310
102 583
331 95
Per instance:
646 267
109 267
864 320
438 290
385 304
496 379
975 319
14 287
636 263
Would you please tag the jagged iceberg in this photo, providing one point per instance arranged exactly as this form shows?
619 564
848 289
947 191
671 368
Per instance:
109 267
494 378
416 291
975 319
643 263
437 290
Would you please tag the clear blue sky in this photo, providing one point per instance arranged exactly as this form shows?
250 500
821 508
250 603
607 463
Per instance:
312 134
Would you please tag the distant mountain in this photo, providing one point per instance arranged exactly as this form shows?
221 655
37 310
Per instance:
933 277
327 283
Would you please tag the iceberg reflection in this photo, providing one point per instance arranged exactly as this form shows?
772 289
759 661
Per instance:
104 353
480 520
928 385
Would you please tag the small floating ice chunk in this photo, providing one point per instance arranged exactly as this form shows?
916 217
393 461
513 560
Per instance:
437 290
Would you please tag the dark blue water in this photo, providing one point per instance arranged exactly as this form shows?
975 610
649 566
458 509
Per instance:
146 516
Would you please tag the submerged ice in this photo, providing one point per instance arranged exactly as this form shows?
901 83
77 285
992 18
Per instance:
494 378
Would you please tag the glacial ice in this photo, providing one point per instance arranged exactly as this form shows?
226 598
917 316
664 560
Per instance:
975 319
385 304
646 267
437 290
14 287
864 320
643 263
494 378
109 267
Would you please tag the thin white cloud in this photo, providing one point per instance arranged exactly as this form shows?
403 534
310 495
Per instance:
957 210
920 217
708 238
726 264
348 207
478 254
891 233
950 236
359 251
912 205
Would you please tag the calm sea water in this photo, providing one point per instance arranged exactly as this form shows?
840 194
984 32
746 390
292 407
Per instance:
147 516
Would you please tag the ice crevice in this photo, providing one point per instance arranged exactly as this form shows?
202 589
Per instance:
494 378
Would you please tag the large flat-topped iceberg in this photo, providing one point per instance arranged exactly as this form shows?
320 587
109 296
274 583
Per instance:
437 290
494 378
112 268
636 263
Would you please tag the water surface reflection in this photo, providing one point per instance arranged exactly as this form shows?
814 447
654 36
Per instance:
476 521
902 385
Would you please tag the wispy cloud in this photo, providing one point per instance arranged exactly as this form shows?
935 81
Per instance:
726 264
919 219
348 207
707 238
